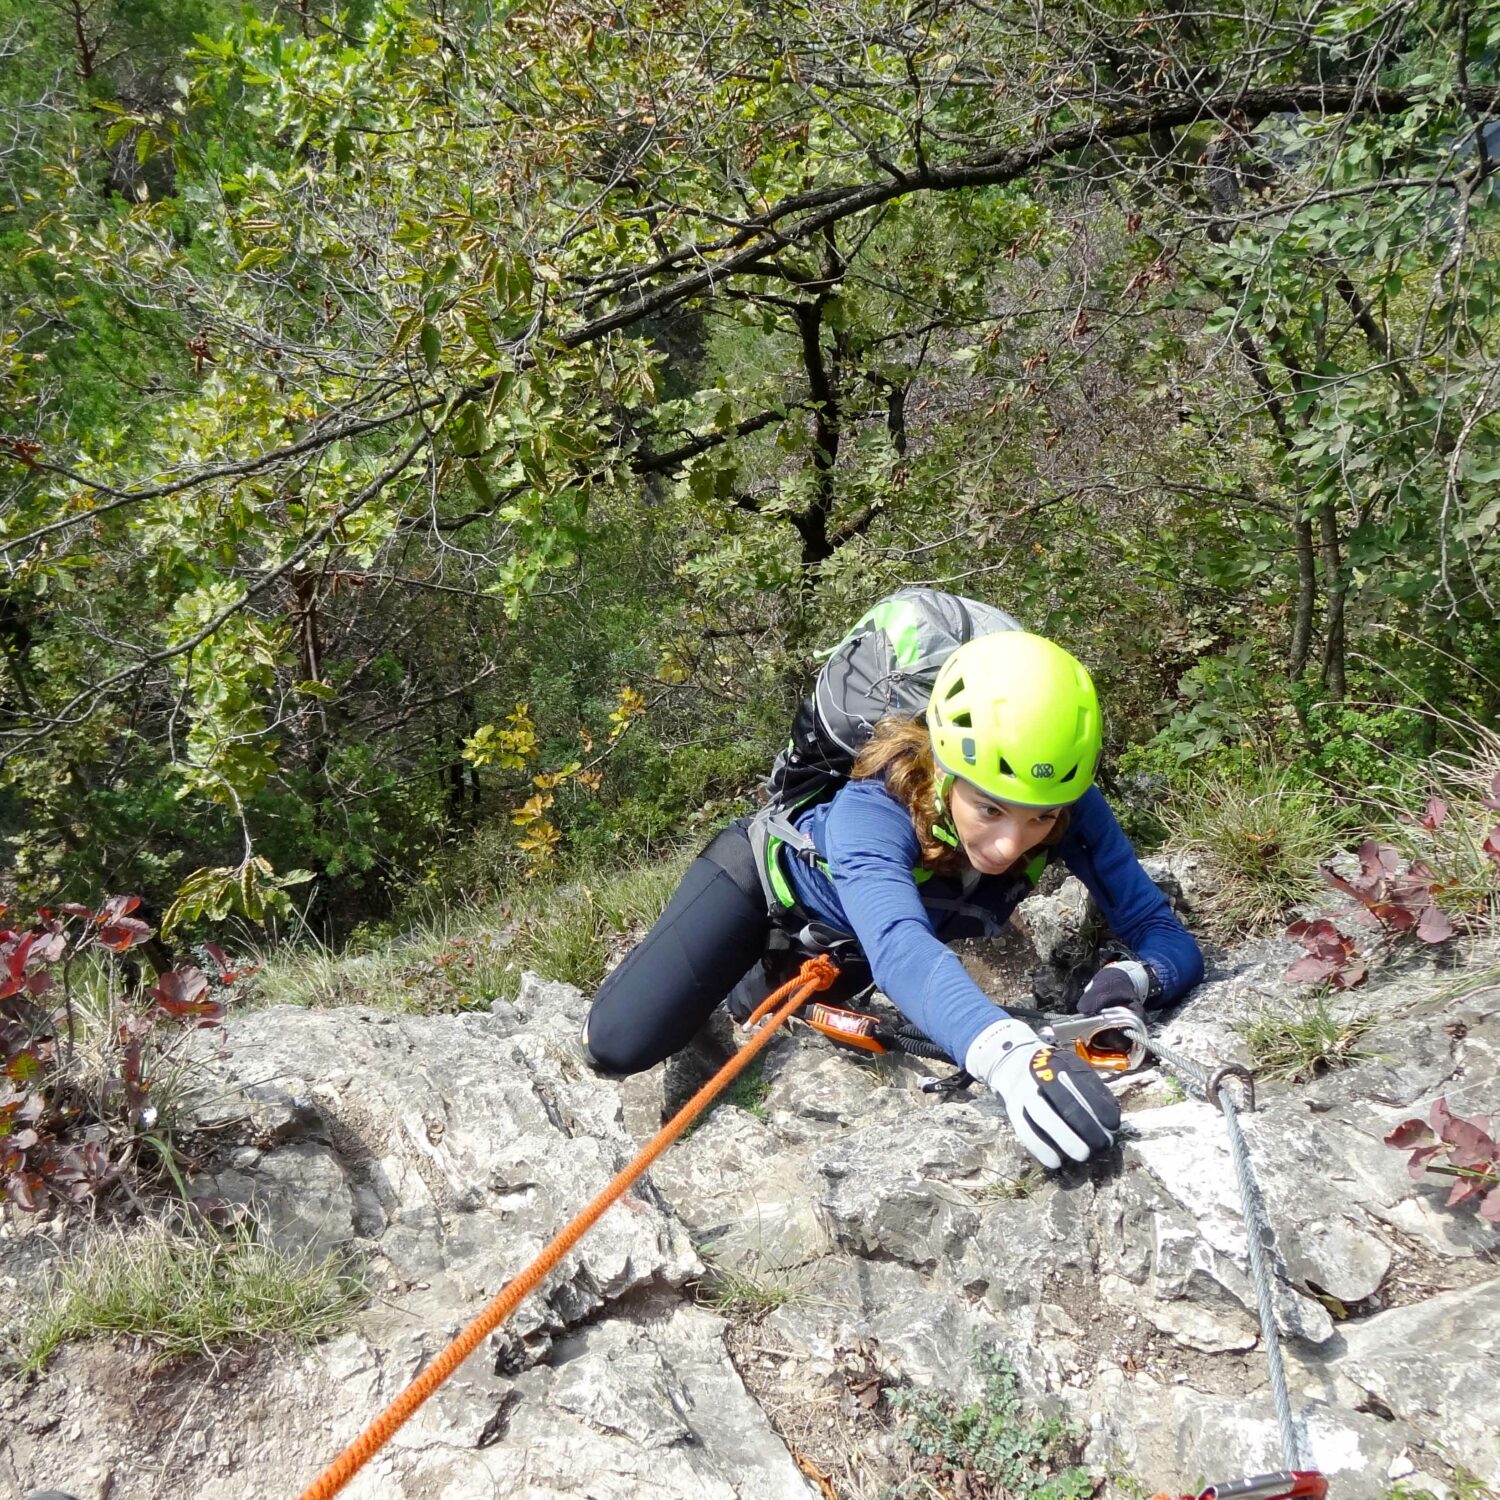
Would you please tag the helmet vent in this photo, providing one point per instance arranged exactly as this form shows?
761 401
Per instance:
1005 769
954 688
964 720
1071 774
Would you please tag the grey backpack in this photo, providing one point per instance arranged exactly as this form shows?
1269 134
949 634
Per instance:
886 665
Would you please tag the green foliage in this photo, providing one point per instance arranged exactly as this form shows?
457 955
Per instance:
186 1291
1305 1043
993 1443
749 1292
252 890
359 386
1350 746
1261 834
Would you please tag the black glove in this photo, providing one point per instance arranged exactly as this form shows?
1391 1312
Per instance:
1125 984
1058 1106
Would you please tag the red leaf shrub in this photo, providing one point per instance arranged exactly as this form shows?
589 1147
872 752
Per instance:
1472 1155
42 1114
1399 902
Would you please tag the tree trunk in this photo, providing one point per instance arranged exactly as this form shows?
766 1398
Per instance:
310 660
823 381
1307 594
1335 587
1307 575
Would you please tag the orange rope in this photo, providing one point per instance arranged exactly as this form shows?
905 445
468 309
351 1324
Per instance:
815 974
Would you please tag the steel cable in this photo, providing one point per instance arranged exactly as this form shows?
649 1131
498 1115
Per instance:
1258 1233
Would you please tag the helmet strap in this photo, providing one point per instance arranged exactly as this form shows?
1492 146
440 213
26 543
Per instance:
942 830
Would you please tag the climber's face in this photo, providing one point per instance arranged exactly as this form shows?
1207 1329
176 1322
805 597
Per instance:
994 835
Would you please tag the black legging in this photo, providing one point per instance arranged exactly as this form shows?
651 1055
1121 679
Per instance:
707 942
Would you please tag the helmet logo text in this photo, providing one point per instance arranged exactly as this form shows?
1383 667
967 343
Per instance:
1042 769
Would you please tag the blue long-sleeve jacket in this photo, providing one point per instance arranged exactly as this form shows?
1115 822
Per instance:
866 839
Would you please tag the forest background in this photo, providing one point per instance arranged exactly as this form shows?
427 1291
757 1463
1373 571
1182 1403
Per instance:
438 437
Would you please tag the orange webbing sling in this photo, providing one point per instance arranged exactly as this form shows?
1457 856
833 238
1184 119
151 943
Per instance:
816 974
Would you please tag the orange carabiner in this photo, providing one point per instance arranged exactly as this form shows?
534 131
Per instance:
852 1027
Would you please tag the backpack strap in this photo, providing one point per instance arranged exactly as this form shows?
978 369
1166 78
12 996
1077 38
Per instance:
770 830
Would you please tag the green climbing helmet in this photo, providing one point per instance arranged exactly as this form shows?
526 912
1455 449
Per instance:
1017 717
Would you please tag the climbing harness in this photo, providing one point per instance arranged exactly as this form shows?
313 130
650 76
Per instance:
816 974
1297 1479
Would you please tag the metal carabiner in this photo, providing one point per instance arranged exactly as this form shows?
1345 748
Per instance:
1285 1484
1079 1032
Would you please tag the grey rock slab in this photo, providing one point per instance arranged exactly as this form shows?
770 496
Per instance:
829 1090
658 1410
1311 1169
1215 1330
1180 877
1021 1243
455 1149
704 1175
1436 1366
1369 1178
1185 1148
1054 923
898 1189
1174 1438
1476 1051
444 1151
915 1331
300 1193
1407 1060
549 1004
652 1410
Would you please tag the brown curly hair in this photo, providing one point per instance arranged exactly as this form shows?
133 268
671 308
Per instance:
900 750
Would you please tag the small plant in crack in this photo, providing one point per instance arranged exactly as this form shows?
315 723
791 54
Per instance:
1304 1044
989 1449
1013 1189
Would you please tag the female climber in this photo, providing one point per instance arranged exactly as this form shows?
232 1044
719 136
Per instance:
944 826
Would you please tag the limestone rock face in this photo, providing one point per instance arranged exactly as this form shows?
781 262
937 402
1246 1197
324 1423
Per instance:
733 1328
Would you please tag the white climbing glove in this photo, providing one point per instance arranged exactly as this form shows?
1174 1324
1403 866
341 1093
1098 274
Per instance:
1058 1105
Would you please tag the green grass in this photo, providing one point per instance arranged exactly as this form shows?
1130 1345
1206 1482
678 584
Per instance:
749 1092
186 1291
89 1070
1302 1045
1171 1091
1262 837
747 1291
1466 1486
1445 995
740 1295
1012 1189
463 959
